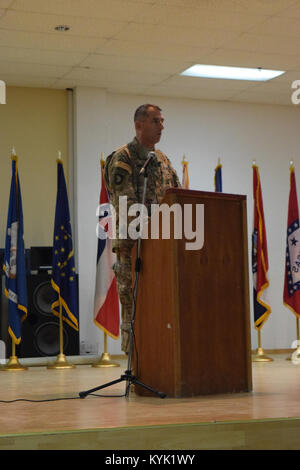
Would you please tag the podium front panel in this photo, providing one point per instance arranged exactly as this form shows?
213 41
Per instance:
192 320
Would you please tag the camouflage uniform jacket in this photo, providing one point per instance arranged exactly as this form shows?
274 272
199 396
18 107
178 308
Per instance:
122 178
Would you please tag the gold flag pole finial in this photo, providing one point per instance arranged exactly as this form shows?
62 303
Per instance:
61 361
102 161
185 181
184 161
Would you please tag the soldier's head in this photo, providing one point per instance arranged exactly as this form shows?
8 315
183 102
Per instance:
148 122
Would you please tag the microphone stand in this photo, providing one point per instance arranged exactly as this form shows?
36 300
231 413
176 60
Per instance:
127 376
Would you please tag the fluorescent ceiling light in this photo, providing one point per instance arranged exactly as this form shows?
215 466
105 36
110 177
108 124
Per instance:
231 73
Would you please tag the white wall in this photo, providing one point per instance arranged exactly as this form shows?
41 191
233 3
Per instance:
203 131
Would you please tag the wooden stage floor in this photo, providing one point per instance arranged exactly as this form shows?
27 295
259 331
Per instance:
266 418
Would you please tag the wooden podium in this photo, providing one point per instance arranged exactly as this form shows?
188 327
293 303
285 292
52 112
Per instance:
192 327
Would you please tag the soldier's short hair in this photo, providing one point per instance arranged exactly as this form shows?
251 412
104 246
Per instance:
142 111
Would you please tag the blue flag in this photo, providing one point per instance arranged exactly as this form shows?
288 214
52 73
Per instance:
14 259
64 280
218 178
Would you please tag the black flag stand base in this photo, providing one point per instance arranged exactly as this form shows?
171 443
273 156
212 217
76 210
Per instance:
127 376
130 379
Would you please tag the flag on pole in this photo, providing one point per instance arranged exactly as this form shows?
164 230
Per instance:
218 178
106 301
291 292
14 259
185 174
64 280
260 263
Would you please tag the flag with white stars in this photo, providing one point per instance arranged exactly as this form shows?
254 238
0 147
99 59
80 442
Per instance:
291 293
260 264
64 280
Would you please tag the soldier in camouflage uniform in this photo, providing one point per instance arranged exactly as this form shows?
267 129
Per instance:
122 178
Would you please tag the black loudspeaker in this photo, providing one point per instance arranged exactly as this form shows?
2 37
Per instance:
40 330
40 258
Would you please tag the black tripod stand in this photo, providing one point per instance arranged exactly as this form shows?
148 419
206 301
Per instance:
127 376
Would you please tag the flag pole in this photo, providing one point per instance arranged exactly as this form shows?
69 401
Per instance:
61 361
260 356
105 359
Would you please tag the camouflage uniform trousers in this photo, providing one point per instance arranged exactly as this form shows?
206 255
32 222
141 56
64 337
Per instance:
123 271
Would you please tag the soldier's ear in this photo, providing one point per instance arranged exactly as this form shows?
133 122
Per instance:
137 125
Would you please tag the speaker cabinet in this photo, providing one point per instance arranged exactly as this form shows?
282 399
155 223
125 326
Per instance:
40 330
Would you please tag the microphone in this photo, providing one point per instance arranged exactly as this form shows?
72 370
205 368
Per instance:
150 156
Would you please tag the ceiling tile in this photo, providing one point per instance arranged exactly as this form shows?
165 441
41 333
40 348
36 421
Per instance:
265 44
33 69
237 58
119 10
41 23
119 63
132 46
38 56
26 81
195 83
273 87
109 76
183 18
190 36
203 94
264 7
130 88
53 41
278 26
263 97
5 3
292 11
63 83
154 50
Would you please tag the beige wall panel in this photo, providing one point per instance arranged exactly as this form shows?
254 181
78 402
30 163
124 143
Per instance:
35 122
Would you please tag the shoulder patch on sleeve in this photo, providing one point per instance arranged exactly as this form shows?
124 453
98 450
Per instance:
118 178
123 165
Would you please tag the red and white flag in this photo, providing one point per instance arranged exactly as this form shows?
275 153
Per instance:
106 303
291 291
